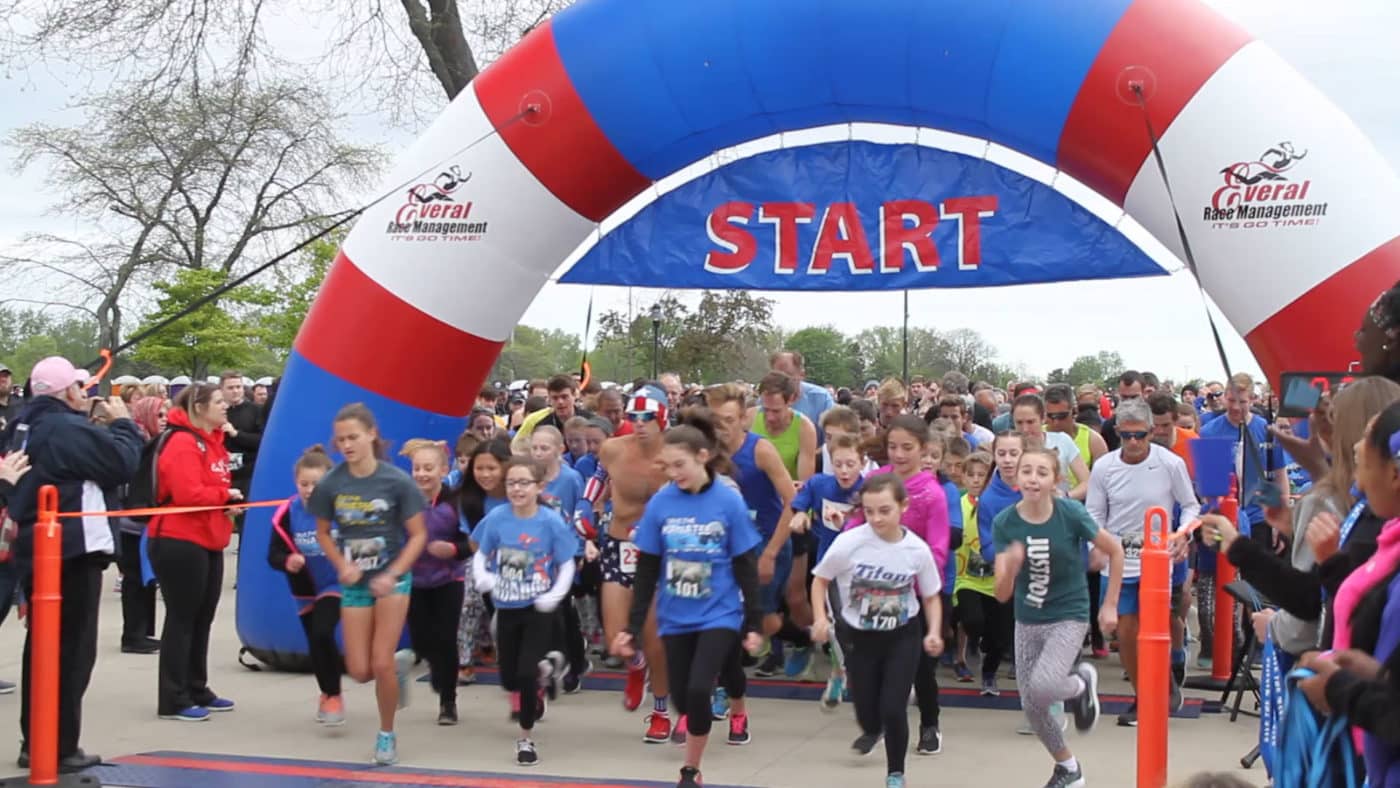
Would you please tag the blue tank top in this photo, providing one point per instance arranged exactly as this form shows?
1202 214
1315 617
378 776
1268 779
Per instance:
765 505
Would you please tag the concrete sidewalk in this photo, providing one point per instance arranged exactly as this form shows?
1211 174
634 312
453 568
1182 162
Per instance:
585 736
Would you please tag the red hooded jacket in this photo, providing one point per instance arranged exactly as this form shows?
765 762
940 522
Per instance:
193 471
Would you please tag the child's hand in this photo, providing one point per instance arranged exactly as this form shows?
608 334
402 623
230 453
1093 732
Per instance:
382 585
821 630
350 575
753 642
295 562
799 523
933 644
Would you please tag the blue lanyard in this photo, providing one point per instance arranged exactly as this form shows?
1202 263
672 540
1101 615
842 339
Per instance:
1350 522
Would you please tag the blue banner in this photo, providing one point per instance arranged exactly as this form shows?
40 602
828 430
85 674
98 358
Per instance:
860 216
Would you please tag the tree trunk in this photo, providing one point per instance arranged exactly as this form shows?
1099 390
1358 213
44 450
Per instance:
443 41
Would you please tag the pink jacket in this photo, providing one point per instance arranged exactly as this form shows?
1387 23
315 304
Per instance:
927 515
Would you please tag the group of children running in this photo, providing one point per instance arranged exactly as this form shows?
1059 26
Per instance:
891 560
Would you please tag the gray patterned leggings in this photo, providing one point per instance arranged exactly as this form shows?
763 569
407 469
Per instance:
1045 655
473 628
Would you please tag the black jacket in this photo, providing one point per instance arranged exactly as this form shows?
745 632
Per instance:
86 462
247 418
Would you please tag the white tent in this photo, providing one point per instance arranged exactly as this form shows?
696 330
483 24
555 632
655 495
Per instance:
182 380
155 380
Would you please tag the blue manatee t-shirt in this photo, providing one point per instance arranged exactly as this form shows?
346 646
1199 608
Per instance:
565 496
829 506
525 553
697 536
368 513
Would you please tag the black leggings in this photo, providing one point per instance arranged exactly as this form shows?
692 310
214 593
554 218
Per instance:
523 636
694 661
881 666
732 676
568 636
319 622
989 622
138 599
432 629
926 681
1095 635
191 579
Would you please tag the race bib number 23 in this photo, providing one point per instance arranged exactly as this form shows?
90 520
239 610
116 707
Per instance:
627 554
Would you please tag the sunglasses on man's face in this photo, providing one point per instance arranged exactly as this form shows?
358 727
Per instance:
1133 436
1215 395
641 418
1057 416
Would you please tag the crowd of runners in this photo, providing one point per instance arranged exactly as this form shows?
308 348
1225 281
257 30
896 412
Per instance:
692 537
689 537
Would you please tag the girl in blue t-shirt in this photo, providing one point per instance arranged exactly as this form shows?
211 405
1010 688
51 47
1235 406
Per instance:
293 549
697 556
525 560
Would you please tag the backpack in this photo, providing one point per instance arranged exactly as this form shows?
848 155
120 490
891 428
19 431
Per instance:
142 494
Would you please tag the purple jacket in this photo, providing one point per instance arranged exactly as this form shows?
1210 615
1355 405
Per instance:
441 522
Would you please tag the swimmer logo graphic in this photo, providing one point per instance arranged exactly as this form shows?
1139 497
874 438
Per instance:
1264 192
881 598
432 212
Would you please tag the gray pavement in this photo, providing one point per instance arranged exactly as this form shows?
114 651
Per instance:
586 735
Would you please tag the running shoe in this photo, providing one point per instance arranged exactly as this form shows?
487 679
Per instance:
865 743
989 686
1085 705
835 690
1204 662
1100 652
331 711
798 662
678 733
719 704
188 714
447 712
895 780
403 663
525 754
739 730
771 666
1064 778
466 676
930 741
220 704
1128 719
552 669
658 728
386 749
635 689
690 778
573 680
964 675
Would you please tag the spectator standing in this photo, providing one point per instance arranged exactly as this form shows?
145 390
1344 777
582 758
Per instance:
9 403
84 461
812 400
138 597
242 431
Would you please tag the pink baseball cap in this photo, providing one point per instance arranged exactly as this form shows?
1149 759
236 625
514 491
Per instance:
53 375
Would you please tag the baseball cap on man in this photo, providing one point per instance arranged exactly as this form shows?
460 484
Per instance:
53 375
648 399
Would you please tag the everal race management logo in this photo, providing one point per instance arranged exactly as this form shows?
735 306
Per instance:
1265 192
433 211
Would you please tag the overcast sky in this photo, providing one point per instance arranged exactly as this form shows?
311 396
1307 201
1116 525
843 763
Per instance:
1346 47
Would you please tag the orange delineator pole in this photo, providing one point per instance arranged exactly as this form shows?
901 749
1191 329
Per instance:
1223 656
44 623
1154 650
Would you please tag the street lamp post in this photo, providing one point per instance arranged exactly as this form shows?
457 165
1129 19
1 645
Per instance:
655 340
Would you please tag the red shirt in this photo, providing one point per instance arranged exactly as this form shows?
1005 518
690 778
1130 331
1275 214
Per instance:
192 470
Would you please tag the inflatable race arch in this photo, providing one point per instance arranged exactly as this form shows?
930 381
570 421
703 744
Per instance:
1288 208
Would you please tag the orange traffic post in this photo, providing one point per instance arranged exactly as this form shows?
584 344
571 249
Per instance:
1223 657
1154 650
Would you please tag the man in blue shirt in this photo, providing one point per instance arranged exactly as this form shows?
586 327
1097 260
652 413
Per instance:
812 400
1259 461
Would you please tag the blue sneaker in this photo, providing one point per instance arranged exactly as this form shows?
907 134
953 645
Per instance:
797 662
386 749
220 704
188 714
894 780
719 704
835 690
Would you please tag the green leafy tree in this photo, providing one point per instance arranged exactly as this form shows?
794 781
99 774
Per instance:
536 353
1098 369
824 349
207 338
29 335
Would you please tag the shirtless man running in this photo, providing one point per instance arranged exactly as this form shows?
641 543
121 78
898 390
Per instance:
630 467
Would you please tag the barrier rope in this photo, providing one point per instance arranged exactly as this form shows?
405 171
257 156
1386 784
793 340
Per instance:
152 511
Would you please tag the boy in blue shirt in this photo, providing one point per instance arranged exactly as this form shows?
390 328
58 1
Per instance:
823 505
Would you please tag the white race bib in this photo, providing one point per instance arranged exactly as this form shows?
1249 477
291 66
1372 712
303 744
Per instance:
627 554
